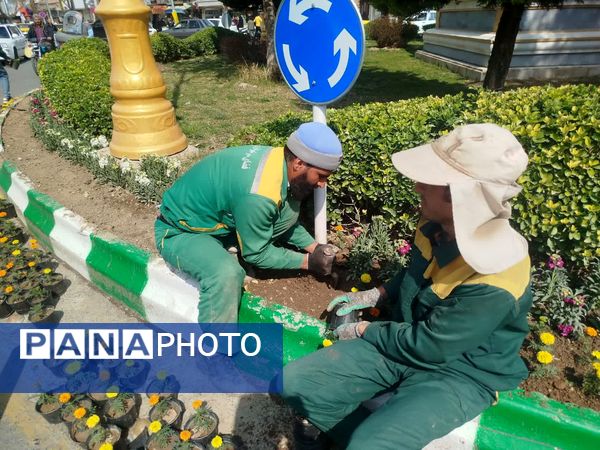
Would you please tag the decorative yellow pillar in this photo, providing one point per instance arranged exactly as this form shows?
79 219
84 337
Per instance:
143 119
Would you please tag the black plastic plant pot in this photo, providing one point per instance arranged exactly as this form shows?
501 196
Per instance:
83 402
334 321
53 282
36 296
132 376
128 418
5 309
46 315
231 442
18 302
174 415
137 435
79 432
203 436
167 388
50 411
115 437
98 399
171 442
9 209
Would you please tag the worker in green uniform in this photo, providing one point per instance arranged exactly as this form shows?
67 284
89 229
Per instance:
247 196
459 309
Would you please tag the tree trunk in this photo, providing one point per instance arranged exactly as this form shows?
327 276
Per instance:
504 45
269 10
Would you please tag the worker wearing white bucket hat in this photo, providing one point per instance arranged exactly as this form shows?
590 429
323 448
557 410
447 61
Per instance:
459 310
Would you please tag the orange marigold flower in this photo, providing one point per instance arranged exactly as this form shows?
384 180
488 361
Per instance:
154 399
64 397
34 246
185 435
339 228
3 239
2 273
197 404
3 214
10 265
8 289
591 331
79 413
33 241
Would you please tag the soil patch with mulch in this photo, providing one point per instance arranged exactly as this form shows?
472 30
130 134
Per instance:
117 211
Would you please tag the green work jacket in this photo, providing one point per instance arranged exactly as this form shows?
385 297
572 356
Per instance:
241 190
449 317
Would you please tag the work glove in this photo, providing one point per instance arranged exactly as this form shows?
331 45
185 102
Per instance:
320 261
347 331
355 300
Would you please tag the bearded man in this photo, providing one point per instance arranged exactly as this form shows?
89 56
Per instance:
248 197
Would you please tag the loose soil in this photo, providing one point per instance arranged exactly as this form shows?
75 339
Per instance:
112 209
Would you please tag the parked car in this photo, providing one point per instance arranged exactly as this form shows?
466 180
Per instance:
12 40
186 28
423 19
74 27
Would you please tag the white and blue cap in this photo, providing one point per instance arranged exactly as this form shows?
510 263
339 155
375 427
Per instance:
316 144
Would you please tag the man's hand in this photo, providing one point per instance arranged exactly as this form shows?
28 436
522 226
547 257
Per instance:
350 330
320 261
355 300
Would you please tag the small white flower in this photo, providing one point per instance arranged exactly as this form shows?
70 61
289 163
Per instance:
142 178
125 165
94 142
103 161
168 173
102 141
173 163
66 143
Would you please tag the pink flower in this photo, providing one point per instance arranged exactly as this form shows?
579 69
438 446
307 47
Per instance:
357 231
404 248
53 113
35 110
569 300
35 101
555 261
565 330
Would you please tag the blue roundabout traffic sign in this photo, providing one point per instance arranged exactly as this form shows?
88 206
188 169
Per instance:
319 46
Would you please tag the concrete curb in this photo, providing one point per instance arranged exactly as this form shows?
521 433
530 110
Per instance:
146 285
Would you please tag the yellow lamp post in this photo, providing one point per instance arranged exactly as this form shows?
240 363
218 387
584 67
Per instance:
143 119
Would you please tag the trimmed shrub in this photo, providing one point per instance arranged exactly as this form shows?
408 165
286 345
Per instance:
203 42
558 126
76 79
167 48
387 32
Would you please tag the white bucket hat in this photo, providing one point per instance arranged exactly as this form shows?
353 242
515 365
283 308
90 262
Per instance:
481 164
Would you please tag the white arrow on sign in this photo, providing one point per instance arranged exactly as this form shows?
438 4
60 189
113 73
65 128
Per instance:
301 77
297 9
343 43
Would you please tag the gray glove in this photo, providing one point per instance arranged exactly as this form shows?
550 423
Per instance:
347 331
320 261
354 301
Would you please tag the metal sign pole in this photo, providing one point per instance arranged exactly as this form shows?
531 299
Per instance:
320 197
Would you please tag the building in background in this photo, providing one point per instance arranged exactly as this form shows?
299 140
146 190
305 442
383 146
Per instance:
554 44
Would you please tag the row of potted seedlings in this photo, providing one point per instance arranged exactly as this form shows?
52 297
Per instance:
28 283
111 421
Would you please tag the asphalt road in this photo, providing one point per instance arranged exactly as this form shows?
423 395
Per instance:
22 80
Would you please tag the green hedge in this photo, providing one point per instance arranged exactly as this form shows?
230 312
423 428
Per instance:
76 79
167 48
558 126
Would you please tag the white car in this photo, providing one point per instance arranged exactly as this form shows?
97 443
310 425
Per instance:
12 40
423 18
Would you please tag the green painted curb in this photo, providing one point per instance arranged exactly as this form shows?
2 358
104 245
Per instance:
40 216
5 175
119 269
533 421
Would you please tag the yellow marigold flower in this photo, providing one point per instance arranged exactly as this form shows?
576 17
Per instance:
197 404
3 239
79 413
10 265
47 271
154 427
365 278
2 273
185 435
154 399
327 343
596 365
596 354
31 263
339 228
15 242
112 392
354 289
217 441
547 338
33 241
106 446
598 373
92 421
64 397
544 357
8 289
3 214
591 331
34 246
16 253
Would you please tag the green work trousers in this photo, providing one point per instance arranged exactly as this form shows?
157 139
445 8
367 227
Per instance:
206 259
328 387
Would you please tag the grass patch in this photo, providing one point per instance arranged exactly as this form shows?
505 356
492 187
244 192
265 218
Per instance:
214 98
